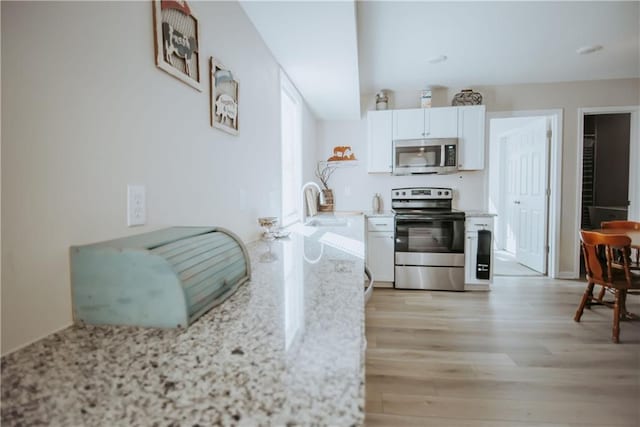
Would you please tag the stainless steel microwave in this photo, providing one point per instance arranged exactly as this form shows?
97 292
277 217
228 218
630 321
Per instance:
424 156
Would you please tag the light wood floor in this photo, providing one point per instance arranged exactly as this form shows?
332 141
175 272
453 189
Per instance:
506 358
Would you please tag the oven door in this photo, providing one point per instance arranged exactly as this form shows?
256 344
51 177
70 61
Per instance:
430 233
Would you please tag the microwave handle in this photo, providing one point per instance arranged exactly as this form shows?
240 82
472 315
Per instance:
442 155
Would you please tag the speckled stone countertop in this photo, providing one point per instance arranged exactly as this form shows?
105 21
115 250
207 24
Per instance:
478 214
373 214
286 349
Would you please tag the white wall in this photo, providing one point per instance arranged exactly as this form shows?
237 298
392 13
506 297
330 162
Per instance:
568 96
86 111
354 188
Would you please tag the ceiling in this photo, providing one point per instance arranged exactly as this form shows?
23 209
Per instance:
316 44
332 61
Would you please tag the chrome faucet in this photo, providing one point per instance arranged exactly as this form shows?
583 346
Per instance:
311 205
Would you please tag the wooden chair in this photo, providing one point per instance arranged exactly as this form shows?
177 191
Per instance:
634 264
625 225
601 272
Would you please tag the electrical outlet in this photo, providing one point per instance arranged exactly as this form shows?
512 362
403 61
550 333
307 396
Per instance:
136 205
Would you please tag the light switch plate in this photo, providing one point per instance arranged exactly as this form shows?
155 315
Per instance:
136 205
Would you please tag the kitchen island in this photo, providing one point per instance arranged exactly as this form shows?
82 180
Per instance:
286 349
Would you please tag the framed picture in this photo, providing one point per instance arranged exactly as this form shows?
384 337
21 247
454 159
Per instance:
224 98
177 40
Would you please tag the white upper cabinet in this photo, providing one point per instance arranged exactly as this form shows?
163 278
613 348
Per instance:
408 124
441 122
465 123
425 123
380 141
471 137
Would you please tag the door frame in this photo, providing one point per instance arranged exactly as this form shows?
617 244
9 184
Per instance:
634 167
555 176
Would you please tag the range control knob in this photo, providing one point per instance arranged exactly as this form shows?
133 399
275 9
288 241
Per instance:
439 193
446 193
403 193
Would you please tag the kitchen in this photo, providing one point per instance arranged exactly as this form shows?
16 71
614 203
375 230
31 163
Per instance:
112 118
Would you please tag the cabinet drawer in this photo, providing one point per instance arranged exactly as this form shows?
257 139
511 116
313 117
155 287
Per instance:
479 224
380 224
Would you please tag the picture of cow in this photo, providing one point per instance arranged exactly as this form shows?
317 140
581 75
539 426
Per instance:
177 41
179 45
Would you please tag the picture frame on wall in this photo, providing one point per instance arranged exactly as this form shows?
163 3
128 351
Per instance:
224 97
177 41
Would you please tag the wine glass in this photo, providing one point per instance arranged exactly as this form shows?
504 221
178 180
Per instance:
268 224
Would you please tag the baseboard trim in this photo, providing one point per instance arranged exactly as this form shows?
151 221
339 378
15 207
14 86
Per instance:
568 275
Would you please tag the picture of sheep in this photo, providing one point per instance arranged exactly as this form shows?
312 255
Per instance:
223 98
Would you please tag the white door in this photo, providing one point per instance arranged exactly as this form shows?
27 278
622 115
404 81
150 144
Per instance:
509 178
526 195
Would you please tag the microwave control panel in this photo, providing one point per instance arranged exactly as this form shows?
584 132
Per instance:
450 155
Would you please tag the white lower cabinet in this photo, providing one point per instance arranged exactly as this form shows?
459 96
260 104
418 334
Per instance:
478 268
380 248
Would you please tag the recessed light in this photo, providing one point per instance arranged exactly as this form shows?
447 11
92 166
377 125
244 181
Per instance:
436 59
585 50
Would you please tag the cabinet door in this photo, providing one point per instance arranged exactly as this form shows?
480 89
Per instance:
441 122
470 255
380 141
380 255
408 124
471 137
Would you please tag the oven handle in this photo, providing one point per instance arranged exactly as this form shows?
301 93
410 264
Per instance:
414 218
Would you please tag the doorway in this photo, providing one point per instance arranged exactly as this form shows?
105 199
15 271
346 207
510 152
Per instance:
520 176
605 168
608 178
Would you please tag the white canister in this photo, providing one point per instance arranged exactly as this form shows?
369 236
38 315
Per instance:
382 101
377 203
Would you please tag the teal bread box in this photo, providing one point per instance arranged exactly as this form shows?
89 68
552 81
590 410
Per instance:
165 278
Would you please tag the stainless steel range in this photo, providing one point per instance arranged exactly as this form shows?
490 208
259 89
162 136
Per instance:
429 245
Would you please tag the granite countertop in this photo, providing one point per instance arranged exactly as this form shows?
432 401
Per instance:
479 214
379 214
286 349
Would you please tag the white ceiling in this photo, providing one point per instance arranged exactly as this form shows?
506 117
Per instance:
316 44
493 43
331 61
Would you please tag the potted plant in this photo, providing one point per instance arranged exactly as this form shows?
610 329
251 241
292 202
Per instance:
324 172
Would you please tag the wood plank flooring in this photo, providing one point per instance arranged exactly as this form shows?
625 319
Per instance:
510 357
